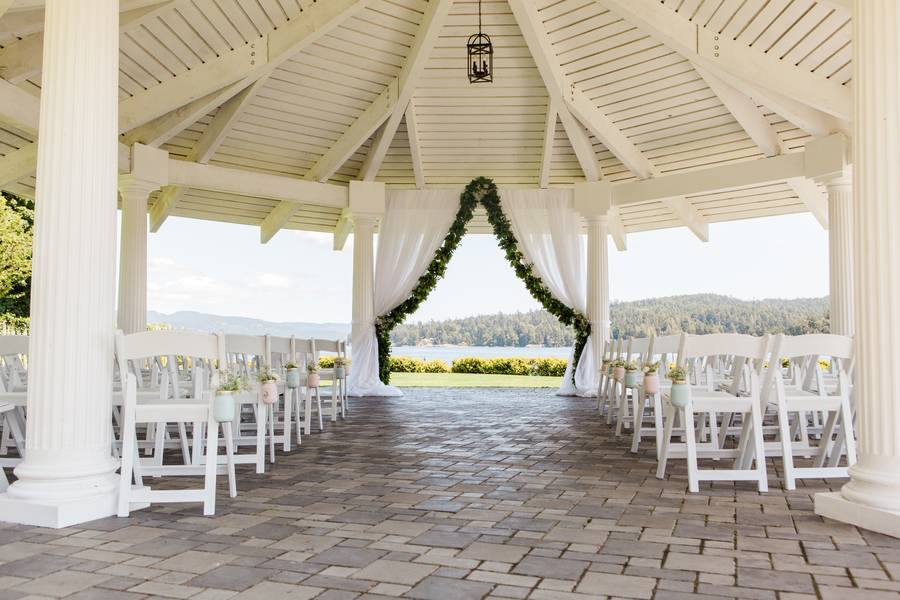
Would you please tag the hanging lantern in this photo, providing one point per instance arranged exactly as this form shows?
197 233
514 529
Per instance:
481 55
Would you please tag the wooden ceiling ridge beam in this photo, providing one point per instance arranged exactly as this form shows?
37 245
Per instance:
713 51
384 113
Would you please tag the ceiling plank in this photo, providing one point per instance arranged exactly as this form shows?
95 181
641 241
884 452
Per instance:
721 53
18 164
577 102
426 37
19 109
23 59
389 106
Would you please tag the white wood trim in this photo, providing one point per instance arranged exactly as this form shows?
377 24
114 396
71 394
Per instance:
581 144
258 185
168 199
426 37
549 139
682 208
576 101
745 112
18 164
815 199
720 52
617 229
343 229
19 109
415 152
4 6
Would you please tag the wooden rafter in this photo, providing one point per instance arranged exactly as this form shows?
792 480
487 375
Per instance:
549 139
415 150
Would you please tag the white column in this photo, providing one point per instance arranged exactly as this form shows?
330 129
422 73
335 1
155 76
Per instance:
132 307
598 280
840 255
872 497
363 277
68 475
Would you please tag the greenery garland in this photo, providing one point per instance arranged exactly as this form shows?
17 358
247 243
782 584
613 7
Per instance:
481 189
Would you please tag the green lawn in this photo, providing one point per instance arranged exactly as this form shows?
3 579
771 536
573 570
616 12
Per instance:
467 380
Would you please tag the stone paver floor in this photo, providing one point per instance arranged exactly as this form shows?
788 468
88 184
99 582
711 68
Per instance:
459 494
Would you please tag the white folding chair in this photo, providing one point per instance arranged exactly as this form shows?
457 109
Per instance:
282 351
247 354
636 352
196 410
795 400
702 400
338 385
306 350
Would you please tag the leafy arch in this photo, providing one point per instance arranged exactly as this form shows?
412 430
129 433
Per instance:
483 190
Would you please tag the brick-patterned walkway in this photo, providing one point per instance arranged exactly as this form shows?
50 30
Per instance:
458 494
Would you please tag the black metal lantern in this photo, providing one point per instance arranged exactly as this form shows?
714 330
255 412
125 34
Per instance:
480 55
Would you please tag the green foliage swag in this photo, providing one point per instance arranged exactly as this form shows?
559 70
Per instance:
478 190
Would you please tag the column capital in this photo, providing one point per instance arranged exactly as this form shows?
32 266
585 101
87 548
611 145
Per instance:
131 186
368 201
839 182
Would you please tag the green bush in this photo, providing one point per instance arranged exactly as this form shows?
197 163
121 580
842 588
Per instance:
550 367
326 362
405 364
436 366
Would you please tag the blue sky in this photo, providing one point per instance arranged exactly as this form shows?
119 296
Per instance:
223 269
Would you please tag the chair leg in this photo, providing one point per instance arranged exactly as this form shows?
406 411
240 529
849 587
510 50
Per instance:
271 410
666 440
307 399
787 453
129 451
185 449
261 418
759 446
286 430
228 434
658 422
637 411
319 410
691 442
209 477
847 430
334 406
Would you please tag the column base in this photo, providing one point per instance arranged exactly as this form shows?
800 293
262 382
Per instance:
833 505
57 513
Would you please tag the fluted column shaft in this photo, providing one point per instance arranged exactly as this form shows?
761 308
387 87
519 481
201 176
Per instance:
875 479
598 280
363 276
68 454
840 255
132 306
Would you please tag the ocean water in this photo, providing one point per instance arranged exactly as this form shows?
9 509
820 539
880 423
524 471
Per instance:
451 353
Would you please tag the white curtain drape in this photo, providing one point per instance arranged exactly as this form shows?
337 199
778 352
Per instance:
414 226
548 230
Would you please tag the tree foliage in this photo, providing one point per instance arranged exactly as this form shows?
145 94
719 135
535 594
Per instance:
16 223
699 313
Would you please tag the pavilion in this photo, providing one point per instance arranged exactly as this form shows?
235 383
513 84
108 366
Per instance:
305 115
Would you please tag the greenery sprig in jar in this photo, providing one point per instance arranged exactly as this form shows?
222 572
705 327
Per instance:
230 383
651 377
681 390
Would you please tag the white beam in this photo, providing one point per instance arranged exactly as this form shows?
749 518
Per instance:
549 139
19 109
426 37
342 229
257 185
168 198
715 51
745 112
581 144
815 199
415 151
617 229
577 102
689 215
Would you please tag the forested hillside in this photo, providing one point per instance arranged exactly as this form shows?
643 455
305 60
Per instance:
699 313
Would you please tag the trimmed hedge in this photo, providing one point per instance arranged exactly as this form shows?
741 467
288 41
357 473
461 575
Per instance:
548 367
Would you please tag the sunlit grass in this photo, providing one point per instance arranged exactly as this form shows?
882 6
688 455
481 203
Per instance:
470 380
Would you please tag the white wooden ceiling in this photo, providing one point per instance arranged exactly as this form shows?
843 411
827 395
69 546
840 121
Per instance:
611 76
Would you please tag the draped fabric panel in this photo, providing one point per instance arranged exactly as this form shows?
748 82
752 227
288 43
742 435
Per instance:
548 230
414 225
